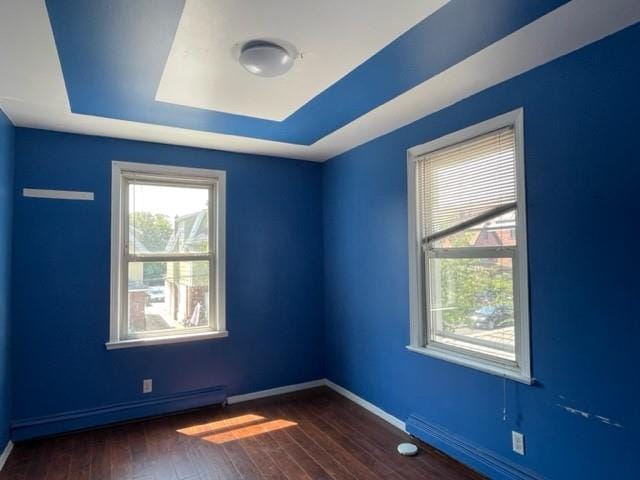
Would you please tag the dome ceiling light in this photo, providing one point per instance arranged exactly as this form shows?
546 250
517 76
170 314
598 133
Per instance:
265 58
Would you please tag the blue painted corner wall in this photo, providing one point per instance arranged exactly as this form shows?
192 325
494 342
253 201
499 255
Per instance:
7 133
61 283
581 139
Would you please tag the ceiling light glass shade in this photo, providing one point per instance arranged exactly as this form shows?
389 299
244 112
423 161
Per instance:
265 59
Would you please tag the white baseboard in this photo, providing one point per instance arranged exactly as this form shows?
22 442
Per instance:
5 454
275 391
396 422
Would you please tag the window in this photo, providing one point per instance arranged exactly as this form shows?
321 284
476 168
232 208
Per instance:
469 294
167 254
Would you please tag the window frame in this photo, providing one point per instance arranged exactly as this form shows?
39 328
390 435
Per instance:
122 173
420 342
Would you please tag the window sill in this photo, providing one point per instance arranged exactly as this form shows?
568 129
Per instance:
144 342
476 363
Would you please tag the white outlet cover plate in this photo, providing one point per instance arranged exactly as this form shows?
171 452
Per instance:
517 442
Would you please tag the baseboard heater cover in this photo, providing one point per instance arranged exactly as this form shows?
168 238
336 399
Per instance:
120 412
479 458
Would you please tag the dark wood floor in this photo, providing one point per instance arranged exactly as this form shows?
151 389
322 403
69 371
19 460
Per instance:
315 434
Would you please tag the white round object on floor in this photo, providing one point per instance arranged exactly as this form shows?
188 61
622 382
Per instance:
408 449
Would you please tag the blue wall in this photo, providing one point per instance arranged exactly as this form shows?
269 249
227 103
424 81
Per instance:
6 187
61 279
582 172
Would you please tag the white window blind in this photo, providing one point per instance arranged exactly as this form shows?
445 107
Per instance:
466 180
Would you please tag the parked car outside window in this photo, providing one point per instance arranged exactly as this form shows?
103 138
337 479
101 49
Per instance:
490 317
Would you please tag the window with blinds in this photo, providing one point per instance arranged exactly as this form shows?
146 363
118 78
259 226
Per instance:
167 254
468 232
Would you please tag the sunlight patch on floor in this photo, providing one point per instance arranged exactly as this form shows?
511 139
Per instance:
205 428
249 431
235 428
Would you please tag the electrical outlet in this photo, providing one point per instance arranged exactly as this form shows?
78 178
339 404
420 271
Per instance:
517 442
147 385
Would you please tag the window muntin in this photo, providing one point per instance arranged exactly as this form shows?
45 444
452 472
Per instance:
468 286
168 265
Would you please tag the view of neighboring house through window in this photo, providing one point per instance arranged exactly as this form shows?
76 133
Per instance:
469 231
168 256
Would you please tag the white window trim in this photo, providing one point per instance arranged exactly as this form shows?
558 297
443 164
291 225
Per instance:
419 337
217 177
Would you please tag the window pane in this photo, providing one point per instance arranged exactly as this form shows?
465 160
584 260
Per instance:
167 297
497 232
168 219
472 305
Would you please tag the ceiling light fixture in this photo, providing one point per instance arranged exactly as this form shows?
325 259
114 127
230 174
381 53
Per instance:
265 59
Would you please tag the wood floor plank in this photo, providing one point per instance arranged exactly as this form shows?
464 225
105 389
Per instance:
343 456
158 454
81 456
60 459
101 462
312 447
308 464
429 462
211 460
185 454
14 472
244 435
140 466
310 435
121 459
234 449
39 465
373 463
282 458
430 459
379 439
